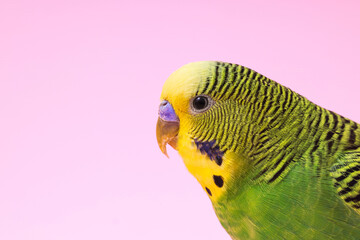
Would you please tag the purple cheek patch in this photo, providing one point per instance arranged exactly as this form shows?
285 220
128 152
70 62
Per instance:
167 112
211 150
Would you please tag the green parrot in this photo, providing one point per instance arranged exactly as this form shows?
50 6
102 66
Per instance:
274 164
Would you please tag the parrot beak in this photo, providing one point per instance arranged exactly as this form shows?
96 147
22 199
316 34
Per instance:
166 133
167 127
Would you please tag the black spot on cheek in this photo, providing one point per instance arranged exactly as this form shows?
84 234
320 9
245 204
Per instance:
219 181
218 160
208 191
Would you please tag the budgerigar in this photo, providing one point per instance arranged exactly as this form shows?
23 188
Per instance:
274 164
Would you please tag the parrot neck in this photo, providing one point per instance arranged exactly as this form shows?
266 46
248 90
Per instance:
296 131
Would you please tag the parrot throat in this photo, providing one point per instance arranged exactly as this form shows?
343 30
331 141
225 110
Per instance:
212 176
210 164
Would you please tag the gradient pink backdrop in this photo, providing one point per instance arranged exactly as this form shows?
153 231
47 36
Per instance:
79 89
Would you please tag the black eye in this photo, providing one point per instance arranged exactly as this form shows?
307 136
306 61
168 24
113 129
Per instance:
200 103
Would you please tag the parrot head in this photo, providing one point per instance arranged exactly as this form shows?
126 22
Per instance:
179 100
199 116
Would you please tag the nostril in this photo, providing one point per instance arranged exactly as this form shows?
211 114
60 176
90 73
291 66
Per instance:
163 104
167 112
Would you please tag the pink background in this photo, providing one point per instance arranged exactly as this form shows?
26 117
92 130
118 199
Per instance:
79 88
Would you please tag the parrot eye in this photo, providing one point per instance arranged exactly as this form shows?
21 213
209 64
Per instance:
200 104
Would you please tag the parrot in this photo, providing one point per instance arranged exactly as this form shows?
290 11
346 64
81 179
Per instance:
274 164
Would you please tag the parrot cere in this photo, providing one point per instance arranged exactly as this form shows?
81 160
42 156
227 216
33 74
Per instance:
274 164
